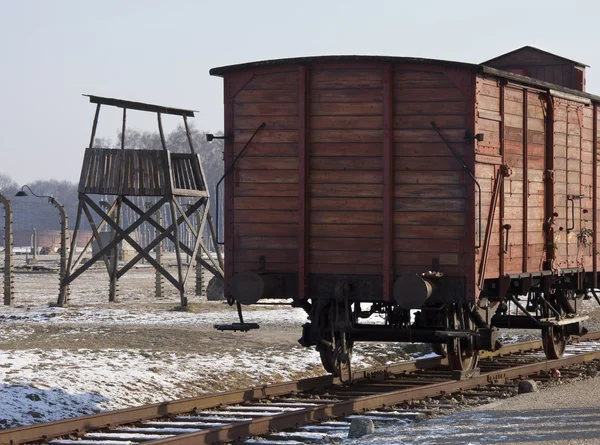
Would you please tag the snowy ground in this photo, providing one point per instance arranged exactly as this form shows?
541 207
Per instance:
94 355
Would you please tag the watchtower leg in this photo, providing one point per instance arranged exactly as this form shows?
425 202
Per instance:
184 301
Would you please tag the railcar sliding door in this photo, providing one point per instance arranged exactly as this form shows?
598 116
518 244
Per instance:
571 220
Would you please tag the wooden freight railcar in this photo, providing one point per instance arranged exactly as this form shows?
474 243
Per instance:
465 192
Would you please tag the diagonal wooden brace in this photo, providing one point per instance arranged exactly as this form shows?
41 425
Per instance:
113 242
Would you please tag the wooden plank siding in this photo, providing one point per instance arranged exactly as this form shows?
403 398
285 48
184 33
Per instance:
349 177
513 119
345 172
265 185
573 143
429 204
536 126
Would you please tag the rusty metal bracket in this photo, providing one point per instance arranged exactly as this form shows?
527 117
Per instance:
228 170
467 170
503 172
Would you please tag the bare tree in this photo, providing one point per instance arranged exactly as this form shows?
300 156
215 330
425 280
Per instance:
8 186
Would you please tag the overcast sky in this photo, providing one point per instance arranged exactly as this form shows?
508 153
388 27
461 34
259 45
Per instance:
161 51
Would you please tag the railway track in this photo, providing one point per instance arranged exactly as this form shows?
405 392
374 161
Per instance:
376 393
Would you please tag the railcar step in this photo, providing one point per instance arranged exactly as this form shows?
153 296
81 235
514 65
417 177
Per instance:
555 322
243 327
454 334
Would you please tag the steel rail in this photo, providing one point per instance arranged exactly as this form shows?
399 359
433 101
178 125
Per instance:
292 419
81 425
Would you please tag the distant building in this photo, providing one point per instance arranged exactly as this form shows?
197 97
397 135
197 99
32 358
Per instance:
46 238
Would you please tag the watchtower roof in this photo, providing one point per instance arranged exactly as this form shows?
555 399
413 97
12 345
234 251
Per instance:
130 105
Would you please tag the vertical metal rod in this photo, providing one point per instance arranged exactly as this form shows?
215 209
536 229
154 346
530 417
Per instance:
8 252
213 234
94 125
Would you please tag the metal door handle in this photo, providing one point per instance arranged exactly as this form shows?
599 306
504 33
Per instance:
572 198
506 227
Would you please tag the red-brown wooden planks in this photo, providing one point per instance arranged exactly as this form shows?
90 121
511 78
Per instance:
265 200
429 183
345 168
363 153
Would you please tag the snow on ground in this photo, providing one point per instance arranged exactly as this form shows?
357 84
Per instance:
50 385
46 375
105 317
94 355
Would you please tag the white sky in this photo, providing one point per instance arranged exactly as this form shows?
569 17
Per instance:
161 51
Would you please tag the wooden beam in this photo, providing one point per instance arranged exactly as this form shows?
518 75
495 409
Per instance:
303 194
188 134
94 126
595 196
525 251
113 242
161 132
80 257
96 236
388 182
141 106
123 235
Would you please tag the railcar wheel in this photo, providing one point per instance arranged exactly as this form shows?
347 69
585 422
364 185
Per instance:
554 338
342 356
336 359
554 341
326 354
460 358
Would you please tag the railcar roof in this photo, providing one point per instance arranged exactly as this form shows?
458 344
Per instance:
339 58
478 68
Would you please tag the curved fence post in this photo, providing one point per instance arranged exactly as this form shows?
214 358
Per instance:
8 252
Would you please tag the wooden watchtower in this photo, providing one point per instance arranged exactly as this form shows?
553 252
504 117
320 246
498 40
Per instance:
167 176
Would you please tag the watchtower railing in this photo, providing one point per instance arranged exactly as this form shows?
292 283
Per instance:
108 171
